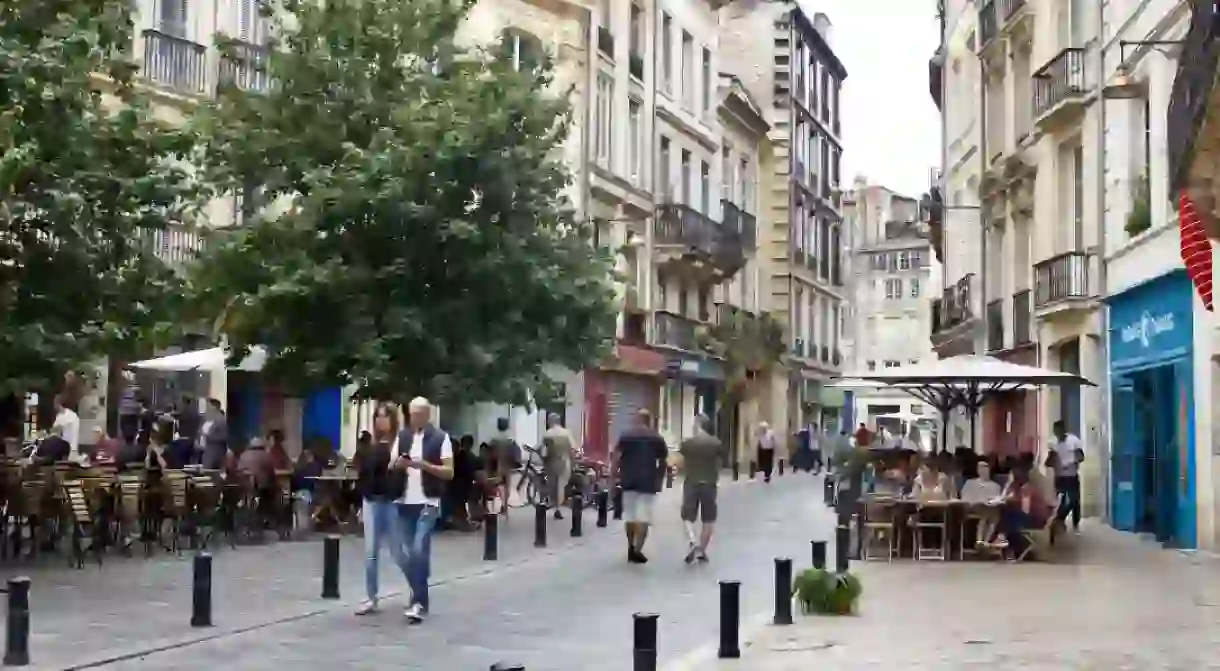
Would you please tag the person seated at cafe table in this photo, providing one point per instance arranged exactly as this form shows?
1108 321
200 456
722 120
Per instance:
1028 462
54 448
1025 507
931 484
980 491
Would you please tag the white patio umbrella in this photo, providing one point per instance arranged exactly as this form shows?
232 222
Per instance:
211 359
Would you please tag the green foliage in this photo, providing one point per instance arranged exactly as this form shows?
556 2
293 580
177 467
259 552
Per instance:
87 178
748 343
413 235
823 592
1139 219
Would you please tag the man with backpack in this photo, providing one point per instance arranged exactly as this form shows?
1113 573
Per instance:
502 457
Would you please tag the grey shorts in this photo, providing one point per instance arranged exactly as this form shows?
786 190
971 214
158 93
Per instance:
699 501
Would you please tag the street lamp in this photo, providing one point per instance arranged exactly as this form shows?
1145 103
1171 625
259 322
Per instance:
1123 86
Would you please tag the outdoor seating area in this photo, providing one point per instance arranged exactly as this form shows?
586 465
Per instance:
87 513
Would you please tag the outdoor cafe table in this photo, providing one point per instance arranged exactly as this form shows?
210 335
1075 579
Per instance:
906 509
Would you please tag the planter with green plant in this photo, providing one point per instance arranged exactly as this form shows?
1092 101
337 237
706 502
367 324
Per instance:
1139 219
822 592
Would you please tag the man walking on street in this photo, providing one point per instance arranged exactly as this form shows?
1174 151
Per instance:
638 462
1069 452
557 462
699 459
766 450
815 446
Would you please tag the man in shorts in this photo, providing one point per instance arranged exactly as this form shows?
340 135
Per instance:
700 462
638 462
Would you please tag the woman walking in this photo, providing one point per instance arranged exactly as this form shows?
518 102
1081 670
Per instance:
381 484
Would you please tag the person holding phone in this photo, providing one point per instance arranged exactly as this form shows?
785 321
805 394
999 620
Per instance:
381 483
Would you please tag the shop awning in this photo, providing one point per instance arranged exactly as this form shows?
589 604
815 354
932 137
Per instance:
211 359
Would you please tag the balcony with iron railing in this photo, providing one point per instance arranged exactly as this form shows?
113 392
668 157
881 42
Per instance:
995 325
1062 278
174 63
674 330
955 306
744 223
1058 83
244 65
176 245
994 15
694 242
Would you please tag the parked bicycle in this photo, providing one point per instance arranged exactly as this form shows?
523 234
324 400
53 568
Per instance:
530 487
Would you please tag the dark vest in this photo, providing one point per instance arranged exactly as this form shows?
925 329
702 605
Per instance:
434 441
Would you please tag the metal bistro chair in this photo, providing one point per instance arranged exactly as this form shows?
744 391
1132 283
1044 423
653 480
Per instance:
878 529
930 518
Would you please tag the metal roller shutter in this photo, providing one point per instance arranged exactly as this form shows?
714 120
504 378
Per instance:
628 395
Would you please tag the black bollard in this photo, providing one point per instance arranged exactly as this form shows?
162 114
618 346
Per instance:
17 624
578 508
736 471
669 478
783 591
491 537
842 541
505 666
618 502
644 642
730 619
819 554
201 591
540 526
330 567
781 466
603 505
753 469
828 492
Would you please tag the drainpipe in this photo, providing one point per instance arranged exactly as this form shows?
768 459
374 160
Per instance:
1103 446
586 188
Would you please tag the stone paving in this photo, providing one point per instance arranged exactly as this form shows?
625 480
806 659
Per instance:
1119 603
133 605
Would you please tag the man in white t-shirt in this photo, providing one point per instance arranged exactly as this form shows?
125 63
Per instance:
69 425
1068 452
426 453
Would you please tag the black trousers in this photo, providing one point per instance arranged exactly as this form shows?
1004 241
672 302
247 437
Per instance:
1069 487
766 462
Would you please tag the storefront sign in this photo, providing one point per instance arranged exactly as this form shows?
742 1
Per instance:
1147 328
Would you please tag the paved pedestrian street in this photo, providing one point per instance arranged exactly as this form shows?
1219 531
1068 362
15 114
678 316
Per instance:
1116 603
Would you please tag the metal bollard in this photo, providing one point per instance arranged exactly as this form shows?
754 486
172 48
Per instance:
669 478
644 642
491 537
17 623
730 619
828 492
753 469
783 591
781 466
578 509
201 591
505 666
330 567
540 526
618 502
736 471
603 505
842 541
819 554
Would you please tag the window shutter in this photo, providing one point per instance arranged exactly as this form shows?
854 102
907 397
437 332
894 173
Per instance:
245 19
173 17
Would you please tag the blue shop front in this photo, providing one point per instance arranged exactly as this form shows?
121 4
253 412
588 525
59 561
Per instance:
1151 345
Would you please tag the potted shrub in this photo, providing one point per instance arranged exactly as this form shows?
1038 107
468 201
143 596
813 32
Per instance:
822 592
1139 219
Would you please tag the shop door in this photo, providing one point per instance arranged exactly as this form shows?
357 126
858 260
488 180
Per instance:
1180 444
628 395
1124 462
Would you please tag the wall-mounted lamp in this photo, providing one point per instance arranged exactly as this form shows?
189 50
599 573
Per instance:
1124 86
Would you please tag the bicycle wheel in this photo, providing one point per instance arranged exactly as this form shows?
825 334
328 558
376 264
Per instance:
518 490
535 489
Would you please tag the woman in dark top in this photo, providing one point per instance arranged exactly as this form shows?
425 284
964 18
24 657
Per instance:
381 482
461 489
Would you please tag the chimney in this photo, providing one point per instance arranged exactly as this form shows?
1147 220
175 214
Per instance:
821 23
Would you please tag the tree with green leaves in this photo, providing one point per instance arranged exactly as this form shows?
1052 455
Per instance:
412 235
88 177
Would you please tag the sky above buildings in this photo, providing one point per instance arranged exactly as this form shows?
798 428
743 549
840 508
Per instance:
891 128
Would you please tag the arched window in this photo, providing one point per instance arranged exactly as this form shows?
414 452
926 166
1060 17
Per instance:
524 49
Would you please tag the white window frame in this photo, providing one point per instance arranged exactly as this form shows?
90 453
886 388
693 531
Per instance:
893 289
635 148
604 121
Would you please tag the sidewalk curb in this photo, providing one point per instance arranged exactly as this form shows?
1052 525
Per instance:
706 655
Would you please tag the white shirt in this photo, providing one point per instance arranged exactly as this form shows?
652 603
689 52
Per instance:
1066 451
767 440
977 490
414 494
69 422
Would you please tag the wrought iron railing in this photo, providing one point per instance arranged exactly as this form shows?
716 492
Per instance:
1060 278
174 62
1061 78
737 219
683 226
955 305
673 330
1022 321
245 66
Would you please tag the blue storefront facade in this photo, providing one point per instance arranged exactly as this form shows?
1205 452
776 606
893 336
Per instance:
1151 346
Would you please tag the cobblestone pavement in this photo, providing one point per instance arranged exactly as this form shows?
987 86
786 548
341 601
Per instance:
1115 603
562 610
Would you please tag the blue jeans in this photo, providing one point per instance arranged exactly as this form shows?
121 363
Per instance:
416 523
381 527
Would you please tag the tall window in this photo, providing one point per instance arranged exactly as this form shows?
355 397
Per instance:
893 289
664 171
251 27
667 53
686 168
798 321
521 48
173 15
745 184
688 70
604 123
635 148
707 80
726 174
705 188
904 261
1077 198
915 287
636 36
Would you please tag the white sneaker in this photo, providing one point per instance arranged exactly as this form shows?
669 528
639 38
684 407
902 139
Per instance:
367 608
415 613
